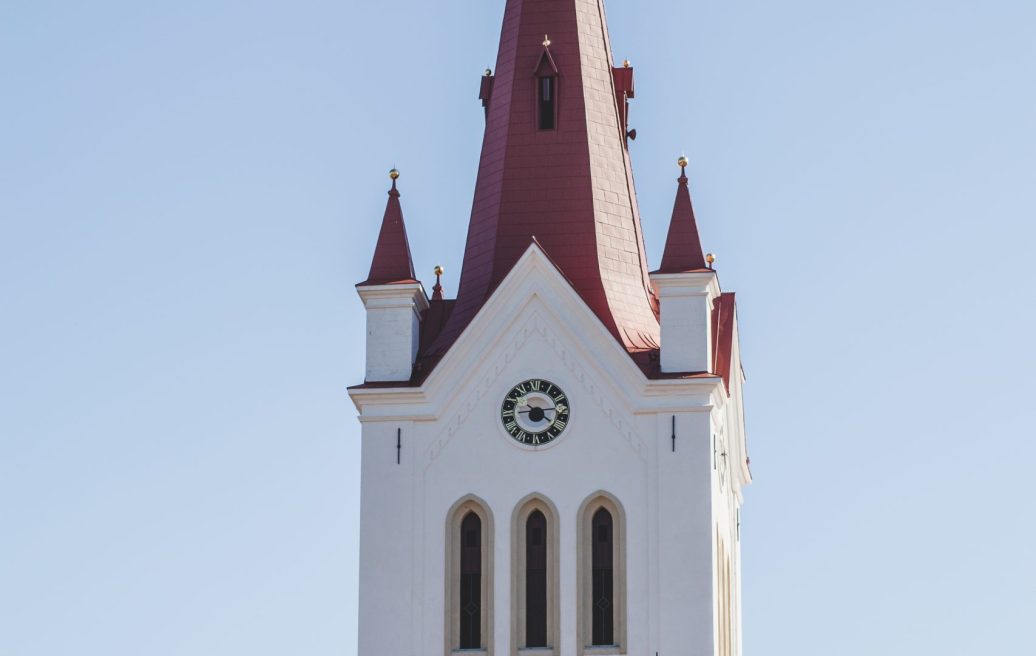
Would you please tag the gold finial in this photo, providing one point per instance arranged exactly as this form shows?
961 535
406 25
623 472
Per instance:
437 290
394 174
488 72
682 162
710 258
546 41
626 64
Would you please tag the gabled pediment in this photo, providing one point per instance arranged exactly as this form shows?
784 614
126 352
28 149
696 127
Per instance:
536 287
545 66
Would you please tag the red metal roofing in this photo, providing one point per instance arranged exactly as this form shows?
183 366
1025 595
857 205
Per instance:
392 262
570 187
683 250
723 309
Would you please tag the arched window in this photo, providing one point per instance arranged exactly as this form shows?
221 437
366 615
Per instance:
471 582
602 558
469 577
603 594
535 604
536 580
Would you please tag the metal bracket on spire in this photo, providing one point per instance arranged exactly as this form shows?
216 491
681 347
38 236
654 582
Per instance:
485 91
624 92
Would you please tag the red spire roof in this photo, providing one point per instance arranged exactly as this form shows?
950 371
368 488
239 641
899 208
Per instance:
392 262
570 185
683 250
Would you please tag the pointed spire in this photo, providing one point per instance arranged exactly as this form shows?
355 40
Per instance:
683 250
554 164
392 262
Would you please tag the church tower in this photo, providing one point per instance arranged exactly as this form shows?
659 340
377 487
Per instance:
553 461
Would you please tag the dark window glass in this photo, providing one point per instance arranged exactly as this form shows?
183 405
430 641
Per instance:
602 595
471 582
536 580
546 100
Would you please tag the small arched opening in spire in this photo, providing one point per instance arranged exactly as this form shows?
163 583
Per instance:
546 74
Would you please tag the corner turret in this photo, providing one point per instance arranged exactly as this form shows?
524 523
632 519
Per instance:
687 288
394 300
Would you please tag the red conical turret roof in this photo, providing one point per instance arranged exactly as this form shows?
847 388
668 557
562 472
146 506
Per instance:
571 185
683 250
392 262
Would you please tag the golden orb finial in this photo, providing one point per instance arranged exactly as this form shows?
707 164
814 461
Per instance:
488 72
626 63
710 258
682 162
439 270
546 41
394 173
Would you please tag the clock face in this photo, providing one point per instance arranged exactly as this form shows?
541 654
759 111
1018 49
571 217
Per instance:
535 412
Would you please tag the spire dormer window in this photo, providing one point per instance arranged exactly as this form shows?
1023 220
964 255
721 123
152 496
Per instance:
546 74
546 102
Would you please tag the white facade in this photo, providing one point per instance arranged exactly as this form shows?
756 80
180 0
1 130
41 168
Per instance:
679 498
685 301
393 328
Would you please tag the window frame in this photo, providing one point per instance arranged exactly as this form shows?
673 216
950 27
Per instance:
519 524
584 609
454 519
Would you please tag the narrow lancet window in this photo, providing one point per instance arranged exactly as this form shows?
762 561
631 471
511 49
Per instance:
471 582
602 570
547 99
536 580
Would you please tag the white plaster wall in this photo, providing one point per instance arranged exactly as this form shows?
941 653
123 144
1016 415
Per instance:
728 426
392 337
685 320
686 537
393 329
618 441
387 522
659 490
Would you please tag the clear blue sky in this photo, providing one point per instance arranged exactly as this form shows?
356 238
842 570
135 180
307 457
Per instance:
189 190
